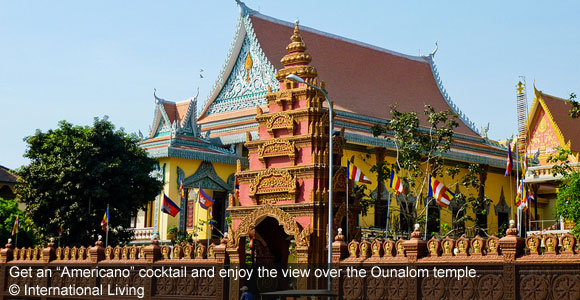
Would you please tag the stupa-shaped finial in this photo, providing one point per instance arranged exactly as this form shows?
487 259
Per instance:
297 60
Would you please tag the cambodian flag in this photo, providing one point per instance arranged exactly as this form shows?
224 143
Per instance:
169 207
205 201
237 189
508 167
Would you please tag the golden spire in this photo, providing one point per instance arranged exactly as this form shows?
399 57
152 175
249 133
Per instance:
297 60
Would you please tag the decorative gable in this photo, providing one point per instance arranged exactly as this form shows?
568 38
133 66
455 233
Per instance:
543 137
248 81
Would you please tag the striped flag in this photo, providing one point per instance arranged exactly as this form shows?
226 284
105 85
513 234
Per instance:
16 226
440 192
396 184
508 167
519 194
105 221
181 190
354 173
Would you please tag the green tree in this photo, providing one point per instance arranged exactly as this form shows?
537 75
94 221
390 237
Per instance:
76 171
568 200
419 154
575 110
8 212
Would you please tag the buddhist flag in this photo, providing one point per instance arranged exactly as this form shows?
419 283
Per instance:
519 194
440 192
205 201
396 184
16 226
508 167
60 230
354 173
181 190
105 221
169 207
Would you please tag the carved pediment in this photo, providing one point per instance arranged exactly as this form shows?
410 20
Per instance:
275 148
284 96
273 181
280 120
339 180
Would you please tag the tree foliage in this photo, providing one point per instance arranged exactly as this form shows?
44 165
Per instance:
8 212
76 171
419 153
568 201
575 110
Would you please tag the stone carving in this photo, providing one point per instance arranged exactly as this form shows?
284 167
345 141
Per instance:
478 245
533 244
353 249
280 120
285 219
273 181
448 245
434 246
568 242
400 248
551 244
389 247
276 148
339 180
490 287
365 249
377 248
492 245
533 287
462 246
432 288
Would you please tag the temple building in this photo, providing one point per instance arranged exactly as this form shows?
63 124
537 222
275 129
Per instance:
549 127
237 123
7 182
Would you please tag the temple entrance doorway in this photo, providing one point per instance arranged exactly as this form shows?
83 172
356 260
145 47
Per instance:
270 248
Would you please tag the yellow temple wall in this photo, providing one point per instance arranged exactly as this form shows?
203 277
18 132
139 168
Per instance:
170 188
494 184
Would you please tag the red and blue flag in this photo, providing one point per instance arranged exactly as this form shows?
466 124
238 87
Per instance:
169 207
205 201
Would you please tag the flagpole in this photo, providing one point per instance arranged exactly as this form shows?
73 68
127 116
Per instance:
209 227
195 221
426 216
16 238
107 232
347 228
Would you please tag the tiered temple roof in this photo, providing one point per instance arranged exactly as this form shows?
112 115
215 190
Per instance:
175 133
364 81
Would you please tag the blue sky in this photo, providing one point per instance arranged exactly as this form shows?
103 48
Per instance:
76 60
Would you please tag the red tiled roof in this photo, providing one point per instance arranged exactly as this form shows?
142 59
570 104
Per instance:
570 128
176 110
170 110
360 79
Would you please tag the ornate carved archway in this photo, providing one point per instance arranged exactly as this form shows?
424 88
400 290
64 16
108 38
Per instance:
291 227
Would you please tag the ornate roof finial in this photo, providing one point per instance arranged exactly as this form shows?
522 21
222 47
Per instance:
434 50
297 60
